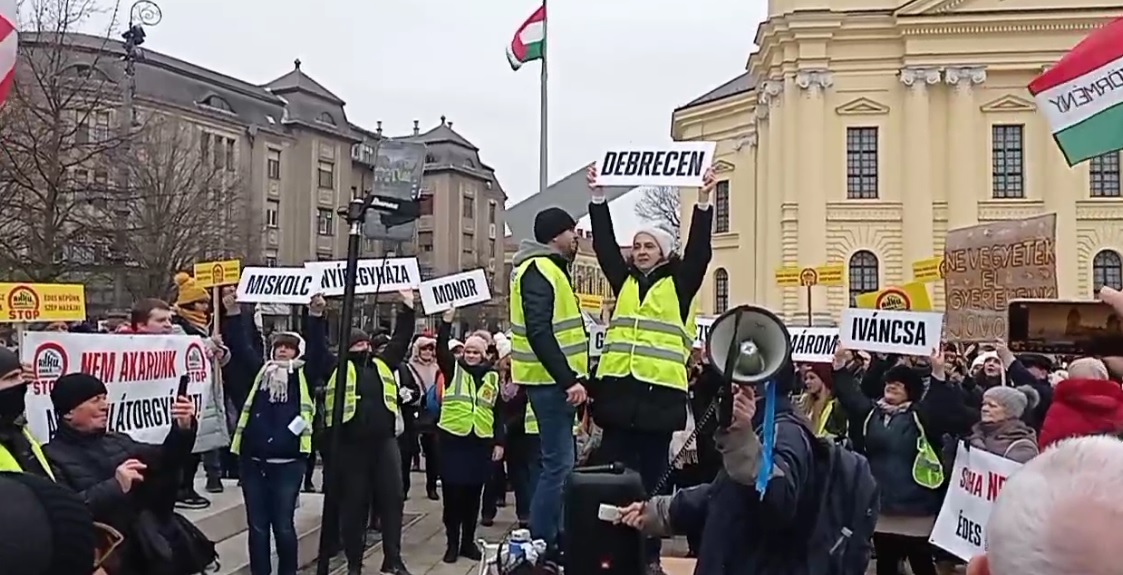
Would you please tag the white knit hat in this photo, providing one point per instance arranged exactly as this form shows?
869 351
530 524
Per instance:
664 240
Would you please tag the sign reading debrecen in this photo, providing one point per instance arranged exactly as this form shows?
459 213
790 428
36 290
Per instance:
678 164
813 344
278 285
457 290
372 276
890 331
987 265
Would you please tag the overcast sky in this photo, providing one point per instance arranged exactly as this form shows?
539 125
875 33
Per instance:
617 69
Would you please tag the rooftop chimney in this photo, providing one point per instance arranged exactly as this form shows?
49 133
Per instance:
450 125
379 127
416 127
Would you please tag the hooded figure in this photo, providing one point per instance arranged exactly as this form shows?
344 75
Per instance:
1086 403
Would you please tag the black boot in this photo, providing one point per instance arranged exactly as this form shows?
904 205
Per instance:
453 549
468 548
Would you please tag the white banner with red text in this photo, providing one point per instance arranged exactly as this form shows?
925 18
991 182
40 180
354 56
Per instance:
141 373
976 481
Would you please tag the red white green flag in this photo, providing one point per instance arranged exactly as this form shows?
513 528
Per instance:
529 42
1082 96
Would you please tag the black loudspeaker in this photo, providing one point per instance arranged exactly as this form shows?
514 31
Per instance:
590 545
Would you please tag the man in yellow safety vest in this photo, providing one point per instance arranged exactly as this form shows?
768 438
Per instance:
368 447
19 451
640 392
549 356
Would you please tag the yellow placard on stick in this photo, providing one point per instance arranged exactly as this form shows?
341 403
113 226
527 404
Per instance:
829 274
589 302
787 276
42 302
928 270
912 296
214 274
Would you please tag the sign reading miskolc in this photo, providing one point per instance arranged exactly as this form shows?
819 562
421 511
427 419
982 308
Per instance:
22 302
219 273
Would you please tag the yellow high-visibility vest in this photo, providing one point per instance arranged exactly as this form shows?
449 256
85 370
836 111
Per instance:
351 397
8 461
530 422
307 412
648 339
569 327
468 408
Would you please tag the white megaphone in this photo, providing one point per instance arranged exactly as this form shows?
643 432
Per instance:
749 345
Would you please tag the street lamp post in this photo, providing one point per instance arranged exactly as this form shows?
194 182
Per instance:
142 13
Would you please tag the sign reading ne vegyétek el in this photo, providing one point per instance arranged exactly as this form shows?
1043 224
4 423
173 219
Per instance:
372 276
21 302
278 285
455 291
890 331
677 164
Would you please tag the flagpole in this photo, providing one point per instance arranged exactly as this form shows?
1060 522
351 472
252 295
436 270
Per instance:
543 178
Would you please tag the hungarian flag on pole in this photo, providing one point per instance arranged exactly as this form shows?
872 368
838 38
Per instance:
1082 96
529 42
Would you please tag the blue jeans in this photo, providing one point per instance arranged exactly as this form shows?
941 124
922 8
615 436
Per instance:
270 491
555 428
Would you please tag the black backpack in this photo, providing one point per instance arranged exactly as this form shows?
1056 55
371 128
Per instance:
840 522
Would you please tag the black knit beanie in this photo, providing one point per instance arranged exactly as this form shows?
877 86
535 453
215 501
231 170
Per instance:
74 389
908 377
551 223
45 529
358 335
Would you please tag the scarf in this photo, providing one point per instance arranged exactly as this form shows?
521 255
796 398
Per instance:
426 372
997 436
196 318
275 378
889 410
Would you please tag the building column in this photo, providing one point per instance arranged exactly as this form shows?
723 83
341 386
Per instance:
811 181
771 92
963 141
917 217
760 203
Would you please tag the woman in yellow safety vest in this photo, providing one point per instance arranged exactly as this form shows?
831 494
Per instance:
818 404
19 451
639 391
469 436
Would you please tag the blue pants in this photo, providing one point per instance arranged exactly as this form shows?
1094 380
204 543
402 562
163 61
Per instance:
555 428
270 491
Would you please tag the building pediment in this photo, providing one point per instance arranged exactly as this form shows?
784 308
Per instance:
862 107
946 7
722 166
1009 104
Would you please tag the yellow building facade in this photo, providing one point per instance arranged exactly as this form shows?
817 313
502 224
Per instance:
863 130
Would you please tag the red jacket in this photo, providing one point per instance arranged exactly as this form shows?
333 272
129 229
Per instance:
1082 407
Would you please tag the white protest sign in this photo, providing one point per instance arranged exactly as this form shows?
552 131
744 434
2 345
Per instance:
891 331
813 344
457 290
703 323
371 276
677 164
141 373
277 285
976 480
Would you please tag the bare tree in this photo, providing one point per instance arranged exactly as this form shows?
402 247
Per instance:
57 146
659 206
188 204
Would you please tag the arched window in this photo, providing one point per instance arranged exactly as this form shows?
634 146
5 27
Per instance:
1107 270
721 291
862 274
218 104
326 119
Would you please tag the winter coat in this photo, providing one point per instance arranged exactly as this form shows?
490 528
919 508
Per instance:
87 463
626 402
1013 439
214 429
743 533
1082 407
538 311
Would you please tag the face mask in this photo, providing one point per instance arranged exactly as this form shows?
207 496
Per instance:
12 403
360 357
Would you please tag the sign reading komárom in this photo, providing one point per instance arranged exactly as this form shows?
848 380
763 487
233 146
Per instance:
455 291
678 164
813 344
277 285
372 276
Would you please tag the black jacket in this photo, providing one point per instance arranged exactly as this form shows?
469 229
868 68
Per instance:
372 420
87 463
538 312
627 402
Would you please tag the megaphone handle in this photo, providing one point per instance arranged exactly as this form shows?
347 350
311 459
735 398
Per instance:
725 405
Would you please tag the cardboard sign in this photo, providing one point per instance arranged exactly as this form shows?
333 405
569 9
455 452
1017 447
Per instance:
976 481
596 339
813 344
986 266
678 164
372 276
211 274
141 373
912 296
278 285
42 302
888 331
455 291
